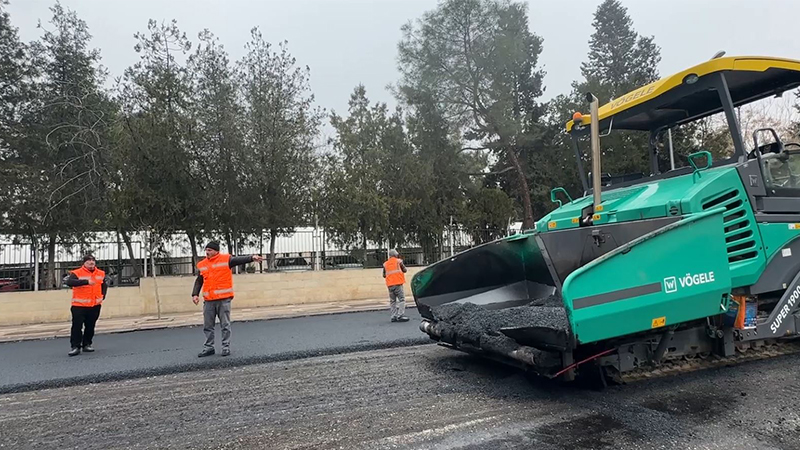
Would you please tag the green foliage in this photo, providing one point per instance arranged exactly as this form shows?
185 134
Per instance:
164 186
217 138
478 60
619 61
281 125
356 209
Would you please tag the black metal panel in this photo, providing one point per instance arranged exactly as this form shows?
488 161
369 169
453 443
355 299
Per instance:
779 272
777 218
730 115
752 180
622 294
579 161
570 249
773 205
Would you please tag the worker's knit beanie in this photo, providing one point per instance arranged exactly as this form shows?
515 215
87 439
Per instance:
213 245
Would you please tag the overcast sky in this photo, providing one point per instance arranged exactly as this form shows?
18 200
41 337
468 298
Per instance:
346 42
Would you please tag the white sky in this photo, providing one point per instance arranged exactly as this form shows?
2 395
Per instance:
346 42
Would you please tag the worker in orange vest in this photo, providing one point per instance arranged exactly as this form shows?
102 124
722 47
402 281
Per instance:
216 282
89 287
394 272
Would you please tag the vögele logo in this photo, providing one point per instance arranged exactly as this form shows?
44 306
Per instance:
670 285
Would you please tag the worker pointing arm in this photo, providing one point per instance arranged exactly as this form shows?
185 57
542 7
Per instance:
215 280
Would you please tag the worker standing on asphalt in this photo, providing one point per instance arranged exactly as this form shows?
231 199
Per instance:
89 287
394 272
216 281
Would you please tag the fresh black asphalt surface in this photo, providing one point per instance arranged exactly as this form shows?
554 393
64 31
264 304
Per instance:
38 364
417 397
356 381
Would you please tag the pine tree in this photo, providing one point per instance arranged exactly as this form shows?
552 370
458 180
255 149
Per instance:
66 136
165 185
355 208
16 76
619 61
481 59
218 139
282 126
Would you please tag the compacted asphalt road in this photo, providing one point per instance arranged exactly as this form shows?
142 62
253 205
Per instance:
37 364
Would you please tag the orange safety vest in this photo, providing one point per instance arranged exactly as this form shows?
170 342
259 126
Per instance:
217 277
394 274
88 296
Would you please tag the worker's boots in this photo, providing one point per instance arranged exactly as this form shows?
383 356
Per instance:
88 348
206 352
400 319
75 351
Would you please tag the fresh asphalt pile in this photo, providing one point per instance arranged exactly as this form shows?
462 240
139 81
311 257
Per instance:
474 323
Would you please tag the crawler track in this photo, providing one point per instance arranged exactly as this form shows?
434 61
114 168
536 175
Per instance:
685 365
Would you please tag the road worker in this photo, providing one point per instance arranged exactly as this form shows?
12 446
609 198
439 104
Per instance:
89 287
394 272
216 282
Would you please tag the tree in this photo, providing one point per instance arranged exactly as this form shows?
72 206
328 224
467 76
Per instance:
619 61
443 174
64 142
355 208
164 186
218 137
489 211
281 125
480 59
16 77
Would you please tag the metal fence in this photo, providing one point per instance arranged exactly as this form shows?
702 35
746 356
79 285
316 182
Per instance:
23 267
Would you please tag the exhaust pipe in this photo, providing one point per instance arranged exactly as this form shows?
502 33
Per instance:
427 327
594 107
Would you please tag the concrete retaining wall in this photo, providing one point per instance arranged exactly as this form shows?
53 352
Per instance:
252 290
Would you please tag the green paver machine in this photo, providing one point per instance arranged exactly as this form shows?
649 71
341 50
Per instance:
697 265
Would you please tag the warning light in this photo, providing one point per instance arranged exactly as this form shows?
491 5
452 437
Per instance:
577 117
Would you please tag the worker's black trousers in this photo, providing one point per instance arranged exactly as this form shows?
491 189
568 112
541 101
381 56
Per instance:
83 321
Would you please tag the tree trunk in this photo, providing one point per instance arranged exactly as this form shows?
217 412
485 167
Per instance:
137 273
51 282
273 263
525 192
193 243
229 241
364 249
